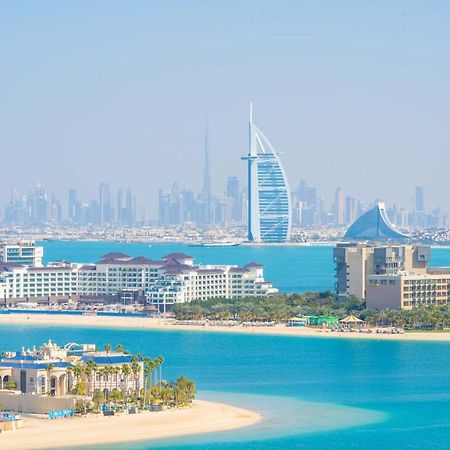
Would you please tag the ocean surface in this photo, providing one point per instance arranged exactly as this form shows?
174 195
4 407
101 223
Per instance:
289 268
314 393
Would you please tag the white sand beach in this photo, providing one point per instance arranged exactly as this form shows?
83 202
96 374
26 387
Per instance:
203 417
169 324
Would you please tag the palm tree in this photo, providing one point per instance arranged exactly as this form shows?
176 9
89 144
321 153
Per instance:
116 371
101 375
135 369
147 376
98 398
126 373
78 372
107 348
191 390
119 348
166 395
92 368
110 372
69 372
49 367
160 360
115 396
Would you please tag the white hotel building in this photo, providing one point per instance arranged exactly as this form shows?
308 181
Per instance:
173 279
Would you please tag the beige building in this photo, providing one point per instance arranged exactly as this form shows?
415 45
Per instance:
356 262
403 290
52 370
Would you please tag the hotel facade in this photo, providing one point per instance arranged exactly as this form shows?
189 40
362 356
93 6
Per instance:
40 379
269 196
162 283
395 277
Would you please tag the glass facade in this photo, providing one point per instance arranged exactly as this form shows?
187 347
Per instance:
374 224
269 197
274 208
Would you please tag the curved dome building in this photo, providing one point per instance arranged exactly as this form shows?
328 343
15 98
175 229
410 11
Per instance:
269 197
374 224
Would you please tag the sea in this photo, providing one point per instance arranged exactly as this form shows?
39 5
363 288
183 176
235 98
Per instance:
290 268
313 393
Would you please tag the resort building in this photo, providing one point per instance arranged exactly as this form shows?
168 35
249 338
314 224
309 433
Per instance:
269 197
396 277
25 253
119 277
406 291
52 370
356 262
374 225
54 281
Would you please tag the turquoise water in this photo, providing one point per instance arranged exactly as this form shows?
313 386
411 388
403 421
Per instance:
314 393
290 268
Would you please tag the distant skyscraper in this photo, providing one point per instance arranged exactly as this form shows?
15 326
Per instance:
269 197
233 195
420 199
205 209
119 207
105 204
130 208
40 204
72 204
339 207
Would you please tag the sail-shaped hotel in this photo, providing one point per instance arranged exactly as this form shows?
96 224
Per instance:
269 197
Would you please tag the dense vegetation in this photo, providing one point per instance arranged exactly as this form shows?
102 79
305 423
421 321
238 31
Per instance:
156 390
281 308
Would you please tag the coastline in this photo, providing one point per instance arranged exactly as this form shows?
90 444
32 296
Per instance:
138 323
204 417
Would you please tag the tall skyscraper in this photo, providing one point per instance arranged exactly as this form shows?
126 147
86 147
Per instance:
205 199
72 204
420 199
105 209
233 195
339 207
269 197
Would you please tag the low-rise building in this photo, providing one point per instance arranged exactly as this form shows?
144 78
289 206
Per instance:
53 370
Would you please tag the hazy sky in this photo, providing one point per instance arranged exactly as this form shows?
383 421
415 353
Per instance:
355 93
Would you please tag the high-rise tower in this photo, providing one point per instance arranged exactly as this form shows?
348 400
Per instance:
269 197
420 199
205 211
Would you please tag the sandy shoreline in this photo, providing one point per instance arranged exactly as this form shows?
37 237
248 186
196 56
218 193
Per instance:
167 324
203 417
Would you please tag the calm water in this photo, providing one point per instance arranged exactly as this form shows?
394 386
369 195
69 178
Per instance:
314 393
291 269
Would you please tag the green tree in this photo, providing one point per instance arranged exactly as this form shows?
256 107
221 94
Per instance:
98 398
49 368
10 385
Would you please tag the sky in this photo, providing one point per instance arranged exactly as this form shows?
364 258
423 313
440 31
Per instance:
354 94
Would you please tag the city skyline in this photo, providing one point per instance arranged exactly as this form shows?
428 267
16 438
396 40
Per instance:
101 105
180 205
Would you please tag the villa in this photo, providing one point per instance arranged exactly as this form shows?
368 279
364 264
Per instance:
33 377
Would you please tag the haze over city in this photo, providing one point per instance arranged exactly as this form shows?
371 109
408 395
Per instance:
355 95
